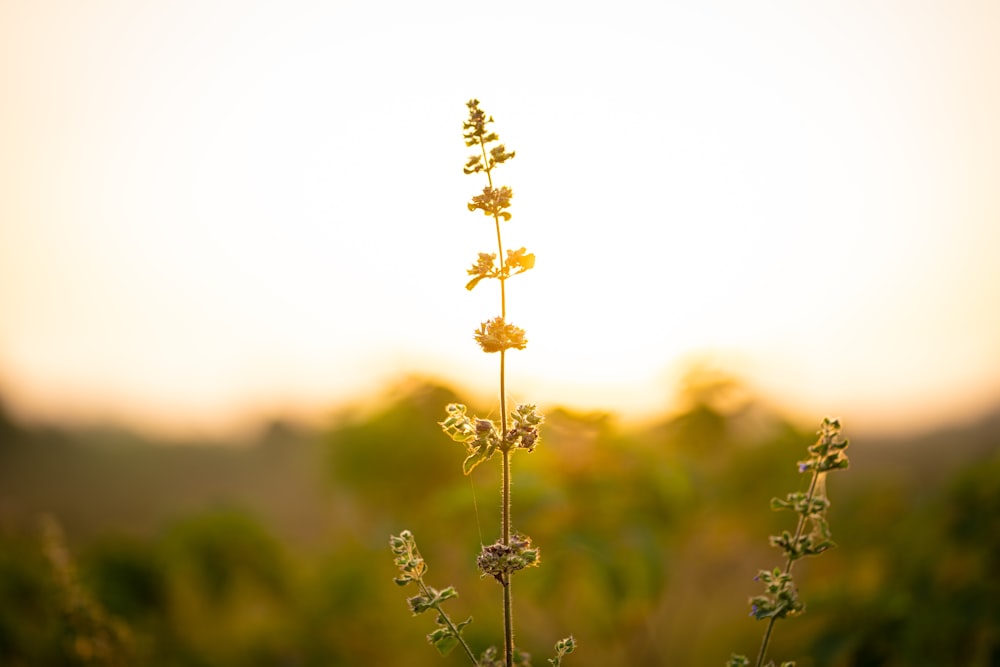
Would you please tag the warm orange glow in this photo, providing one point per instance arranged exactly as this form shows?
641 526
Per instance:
213 211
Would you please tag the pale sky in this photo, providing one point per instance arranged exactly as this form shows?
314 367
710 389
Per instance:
216 208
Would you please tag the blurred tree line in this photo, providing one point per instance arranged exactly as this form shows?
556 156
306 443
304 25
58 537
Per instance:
276 552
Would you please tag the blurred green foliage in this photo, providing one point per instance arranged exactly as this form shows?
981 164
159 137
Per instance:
276 552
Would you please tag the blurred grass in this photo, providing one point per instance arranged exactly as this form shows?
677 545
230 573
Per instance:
274 552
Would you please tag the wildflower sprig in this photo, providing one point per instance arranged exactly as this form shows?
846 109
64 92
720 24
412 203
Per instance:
501 560
563 648
92 635
412 568
497 336
476 134
518 261
524 433
780 598
483 438
493 202
812 537
519 430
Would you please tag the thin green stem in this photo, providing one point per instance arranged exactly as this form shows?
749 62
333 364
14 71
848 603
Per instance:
508 623
447 620
486 161
496 219
505 523
788 565
508 627
766 640
503 273
802 517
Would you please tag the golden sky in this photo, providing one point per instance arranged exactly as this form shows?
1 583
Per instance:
209 209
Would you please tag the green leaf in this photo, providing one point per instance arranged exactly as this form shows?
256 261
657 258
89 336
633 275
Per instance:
819 548
779 504
518 261
474 459
443 640
472 283
419 604
446 594
564 647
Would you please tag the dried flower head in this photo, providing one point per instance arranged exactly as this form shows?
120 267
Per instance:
493 201
496 335
500 560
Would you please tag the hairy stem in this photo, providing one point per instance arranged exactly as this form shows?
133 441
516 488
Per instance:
505 518
508 627
503 276
788 566
508 623
763 645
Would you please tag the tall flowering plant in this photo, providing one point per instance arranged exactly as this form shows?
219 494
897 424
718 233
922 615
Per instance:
485 438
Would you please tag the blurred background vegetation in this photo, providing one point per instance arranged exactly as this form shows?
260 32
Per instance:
118 550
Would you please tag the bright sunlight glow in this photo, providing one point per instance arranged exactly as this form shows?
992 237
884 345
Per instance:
212 210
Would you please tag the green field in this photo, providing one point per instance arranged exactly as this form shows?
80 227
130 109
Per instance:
275 551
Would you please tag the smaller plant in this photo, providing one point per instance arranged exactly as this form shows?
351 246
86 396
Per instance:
812 537
91 636
412 567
